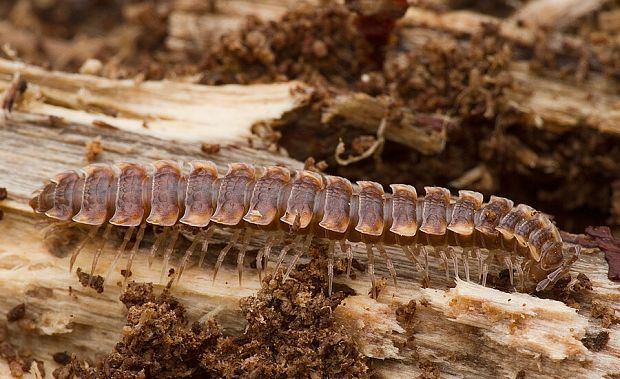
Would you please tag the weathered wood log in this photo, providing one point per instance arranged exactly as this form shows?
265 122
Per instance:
554 105
467 331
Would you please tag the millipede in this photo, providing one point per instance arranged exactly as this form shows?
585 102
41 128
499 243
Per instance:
299 207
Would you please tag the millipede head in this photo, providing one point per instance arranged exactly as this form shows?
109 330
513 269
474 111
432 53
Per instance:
43 199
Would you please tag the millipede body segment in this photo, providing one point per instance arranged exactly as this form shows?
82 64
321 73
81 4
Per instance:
307 205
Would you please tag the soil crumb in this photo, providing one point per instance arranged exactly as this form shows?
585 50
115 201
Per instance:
16 313
291 333
406 312
606 313
596 341
20 360
210 148
315 44
95 281
62 358
429 370
92 149
574 292
3 193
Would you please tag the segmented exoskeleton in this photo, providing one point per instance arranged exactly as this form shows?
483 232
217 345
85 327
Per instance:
308 205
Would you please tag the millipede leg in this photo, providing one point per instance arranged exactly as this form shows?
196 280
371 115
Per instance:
119 251
455 261
480 260
241 254
520 273
371 270
412 257
330 266
300 251
106 236
158 241
188 253
388 262
485 271
560 271
346 248
465 256
264 254
168 253
510 267
132 253
285 251
205 244
444 258
424 253
225 250
76 252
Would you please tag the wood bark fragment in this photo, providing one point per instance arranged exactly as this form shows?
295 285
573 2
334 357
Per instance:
62 315
553 105
554 14
425 133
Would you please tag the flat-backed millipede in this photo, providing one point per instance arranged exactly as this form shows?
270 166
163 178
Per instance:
306 205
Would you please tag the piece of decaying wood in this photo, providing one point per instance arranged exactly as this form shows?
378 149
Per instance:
191 25
423 132
552 104
554 14
448 331
158 109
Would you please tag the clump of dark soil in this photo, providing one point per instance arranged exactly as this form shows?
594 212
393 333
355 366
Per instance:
575 292
86 280
605 313
291 333
16 313
310 43
20 360
596 341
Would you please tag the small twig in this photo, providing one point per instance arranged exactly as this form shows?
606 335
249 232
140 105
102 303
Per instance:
375 147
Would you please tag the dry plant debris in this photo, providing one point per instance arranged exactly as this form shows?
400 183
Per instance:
16 313
95 281
310 43
92 149
291 333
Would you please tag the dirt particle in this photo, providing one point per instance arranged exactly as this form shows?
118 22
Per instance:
210 148
16 313
62 358
65 372
429 370
16 369
125 273
3 193
95 282
55 121
92 149
406 312
596 341
103 124
291 332
13 93
606 313
91 67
